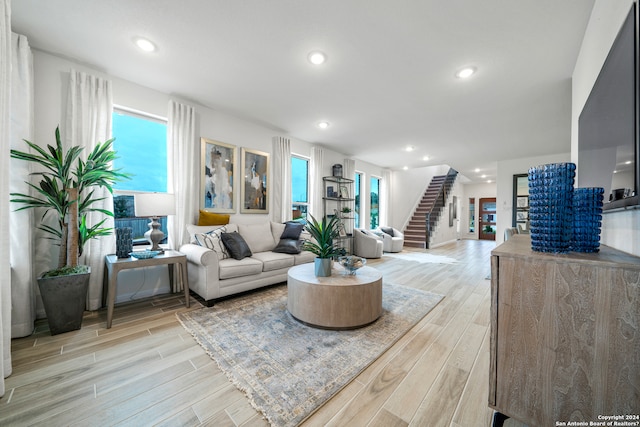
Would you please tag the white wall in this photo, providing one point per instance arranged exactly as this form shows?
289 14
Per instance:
51 75
620 230
445 233
504 185
476 191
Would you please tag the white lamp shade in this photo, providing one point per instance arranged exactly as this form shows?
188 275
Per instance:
154 204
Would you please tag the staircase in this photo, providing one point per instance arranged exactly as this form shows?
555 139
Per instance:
427 215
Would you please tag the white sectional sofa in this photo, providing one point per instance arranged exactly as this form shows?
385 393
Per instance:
213 274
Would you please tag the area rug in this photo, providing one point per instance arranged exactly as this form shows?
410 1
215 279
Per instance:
287 369
422 257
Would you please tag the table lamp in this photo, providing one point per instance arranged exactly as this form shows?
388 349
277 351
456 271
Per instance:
154 205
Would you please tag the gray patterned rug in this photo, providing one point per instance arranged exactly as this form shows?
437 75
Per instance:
287 369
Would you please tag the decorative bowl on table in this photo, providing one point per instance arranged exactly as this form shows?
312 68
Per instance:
351 264
144 254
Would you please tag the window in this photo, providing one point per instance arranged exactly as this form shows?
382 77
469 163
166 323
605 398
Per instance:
375 200
299 187
358 185
472 214
141 146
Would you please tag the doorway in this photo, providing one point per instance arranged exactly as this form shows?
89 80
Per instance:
487 217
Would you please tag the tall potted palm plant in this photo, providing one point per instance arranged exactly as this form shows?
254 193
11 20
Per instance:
323 233
66 191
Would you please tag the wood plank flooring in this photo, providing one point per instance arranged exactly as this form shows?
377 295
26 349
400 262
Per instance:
146 370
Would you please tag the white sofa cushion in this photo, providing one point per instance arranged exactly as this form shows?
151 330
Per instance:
273 260
236 268
201 229
276 231
258 236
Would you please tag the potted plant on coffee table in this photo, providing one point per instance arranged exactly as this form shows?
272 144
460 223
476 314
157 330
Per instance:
323 233
66 191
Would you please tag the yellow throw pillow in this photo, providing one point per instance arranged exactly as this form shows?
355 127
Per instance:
210 218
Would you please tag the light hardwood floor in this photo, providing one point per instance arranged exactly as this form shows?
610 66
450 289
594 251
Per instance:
146 370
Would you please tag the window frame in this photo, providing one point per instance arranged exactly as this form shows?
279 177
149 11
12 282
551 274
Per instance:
379 179
294 204
120 109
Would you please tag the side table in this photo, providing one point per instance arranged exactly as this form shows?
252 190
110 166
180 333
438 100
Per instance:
113 265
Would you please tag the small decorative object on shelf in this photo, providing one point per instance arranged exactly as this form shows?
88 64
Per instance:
351 264
144 254
124 242
337 170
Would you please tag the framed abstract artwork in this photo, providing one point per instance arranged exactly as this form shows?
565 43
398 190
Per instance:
217 187
255 183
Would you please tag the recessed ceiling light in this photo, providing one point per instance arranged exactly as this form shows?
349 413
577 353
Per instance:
145 44
628 162
466 72
410 148
483 176
489 182
615 171
425 158
317 58
477 170
323 125
405 168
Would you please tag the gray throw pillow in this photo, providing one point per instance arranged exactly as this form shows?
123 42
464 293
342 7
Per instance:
292 230
236 245
388 230
288 246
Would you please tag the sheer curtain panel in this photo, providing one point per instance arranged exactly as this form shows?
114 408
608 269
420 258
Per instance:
5 122
22 224
385 198
349 171
183 173
316 184
88 122
281 210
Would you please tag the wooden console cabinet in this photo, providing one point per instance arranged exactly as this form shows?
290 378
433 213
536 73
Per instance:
565 334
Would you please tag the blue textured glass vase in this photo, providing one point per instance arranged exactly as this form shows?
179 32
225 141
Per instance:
587 219
551 207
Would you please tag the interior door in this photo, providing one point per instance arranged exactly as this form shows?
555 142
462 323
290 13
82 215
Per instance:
487 229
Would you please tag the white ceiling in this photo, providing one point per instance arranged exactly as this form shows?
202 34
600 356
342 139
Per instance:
388 82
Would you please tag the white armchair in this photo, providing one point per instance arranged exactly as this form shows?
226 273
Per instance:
391 243
367 244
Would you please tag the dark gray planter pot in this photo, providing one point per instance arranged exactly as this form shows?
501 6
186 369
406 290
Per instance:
323 267
64 299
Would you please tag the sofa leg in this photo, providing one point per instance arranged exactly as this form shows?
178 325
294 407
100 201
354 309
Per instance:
209 303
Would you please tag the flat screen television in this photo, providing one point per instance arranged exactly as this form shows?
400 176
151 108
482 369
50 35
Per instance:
608 147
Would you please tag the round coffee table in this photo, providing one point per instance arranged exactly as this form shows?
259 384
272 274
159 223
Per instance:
335 302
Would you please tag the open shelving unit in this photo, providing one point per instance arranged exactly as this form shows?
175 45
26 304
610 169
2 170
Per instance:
338 195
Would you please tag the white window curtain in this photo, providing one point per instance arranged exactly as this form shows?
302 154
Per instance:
5 146
281 208
316 169
349 171
183 173
23 289
88 122
385 199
